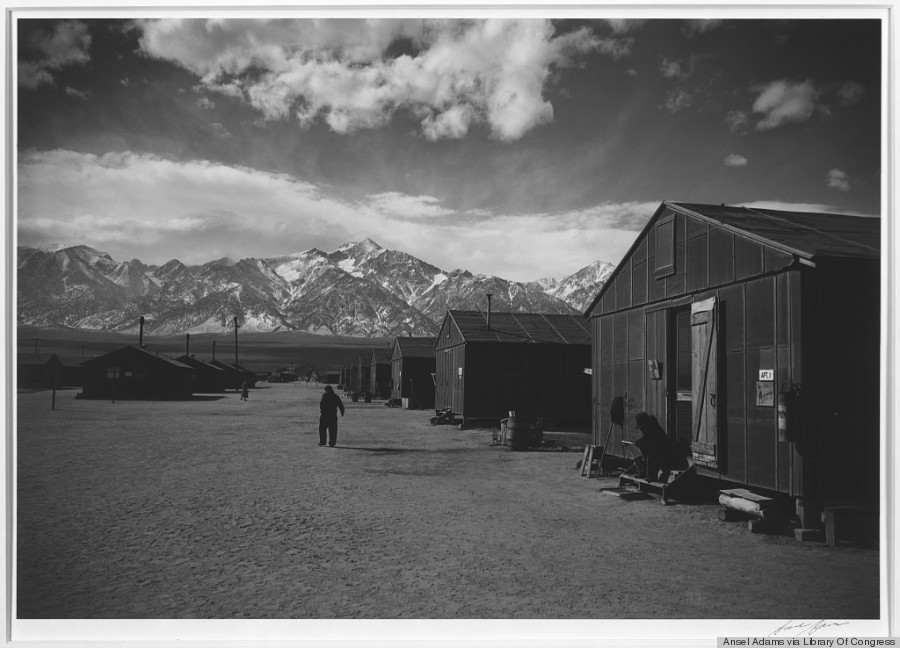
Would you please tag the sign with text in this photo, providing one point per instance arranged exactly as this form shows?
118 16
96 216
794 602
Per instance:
767 374
765 394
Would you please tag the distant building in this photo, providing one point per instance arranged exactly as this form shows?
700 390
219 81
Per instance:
72 372
380 373
208 378
364 374
351 378
753 335
136 373
412 372
235 376
329 376
39 371
530 363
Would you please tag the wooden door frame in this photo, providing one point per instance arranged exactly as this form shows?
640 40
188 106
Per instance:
671 371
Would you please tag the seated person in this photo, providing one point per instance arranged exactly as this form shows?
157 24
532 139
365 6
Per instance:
654 447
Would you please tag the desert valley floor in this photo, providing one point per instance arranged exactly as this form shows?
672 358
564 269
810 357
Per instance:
217 508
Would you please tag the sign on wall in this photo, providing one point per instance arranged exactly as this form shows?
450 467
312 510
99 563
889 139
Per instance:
765 393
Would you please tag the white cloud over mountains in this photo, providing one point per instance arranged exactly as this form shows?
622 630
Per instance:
354 74
141 206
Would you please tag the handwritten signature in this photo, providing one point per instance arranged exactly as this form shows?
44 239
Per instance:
804 628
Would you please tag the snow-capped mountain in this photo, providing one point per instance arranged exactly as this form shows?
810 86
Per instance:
360 289
579 289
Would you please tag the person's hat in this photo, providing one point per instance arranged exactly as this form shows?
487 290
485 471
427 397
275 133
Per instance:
328 388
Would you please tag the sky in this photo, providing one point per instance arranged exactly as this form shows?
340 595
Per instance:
518 148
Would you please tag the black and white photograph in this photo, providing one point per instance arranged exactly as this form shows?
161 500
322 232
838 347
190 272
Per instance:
488 326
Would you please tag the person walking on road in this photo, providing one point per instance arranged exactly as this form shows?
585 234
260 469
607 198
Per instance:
328 419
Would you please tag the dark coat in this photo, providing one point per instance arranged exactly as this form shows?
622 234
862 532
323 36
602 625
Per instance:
330 404
653 437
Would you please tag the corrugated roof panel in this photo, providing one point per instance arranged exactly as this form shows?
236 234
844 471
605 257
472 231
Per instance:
538 328
523 328
575 330
806 233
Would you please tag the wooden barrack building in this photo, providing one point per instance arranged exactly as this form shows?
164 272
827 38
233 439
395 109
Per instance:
487 365
716 315
135 373
380 373
412 372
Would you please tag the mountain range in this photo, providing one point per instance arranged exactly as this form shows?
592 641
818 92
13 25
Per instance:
360 289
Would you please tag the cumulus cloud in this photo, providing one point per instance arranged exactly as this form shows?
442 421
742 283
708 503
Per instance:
837 179
735 160
404 206
694 27
220 131
683 69
850 93
737 120
781 102
678 100
204 103
145 207
625 25
355 74
84 95
41 52
671 69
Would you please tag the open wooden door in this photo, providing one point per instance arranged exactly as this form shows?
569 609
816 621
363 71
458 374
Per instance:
705 384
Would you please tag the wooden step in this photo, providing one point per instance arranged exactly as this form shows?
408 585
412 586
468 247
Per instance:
747 502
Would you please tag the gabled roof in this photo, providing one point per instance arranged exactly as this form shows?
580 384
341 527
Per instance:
230 367
197 362
40 359
140 352
808 235
527 328
414 347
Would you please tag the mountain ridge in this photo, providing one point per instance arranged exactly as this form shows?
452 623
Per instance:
359 289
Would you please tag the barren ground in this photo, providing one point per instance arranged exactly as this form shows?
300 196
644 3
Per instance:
218 508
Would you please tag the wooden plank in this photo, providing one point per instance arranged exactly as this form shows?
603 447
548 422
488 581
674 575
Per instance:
746 494
586 460
626 493
742 505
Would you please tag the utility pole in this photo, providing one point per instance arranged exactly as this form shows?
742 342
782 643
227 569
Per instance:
236 327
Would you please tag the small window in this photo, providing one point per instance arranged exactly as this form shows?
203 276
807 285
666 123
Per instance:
665 247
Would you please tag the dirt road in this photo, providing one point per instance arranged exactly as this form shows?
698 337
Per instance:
218 508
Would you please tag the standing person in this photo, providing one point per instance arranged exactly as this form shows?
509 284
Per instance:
245 391
328 420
